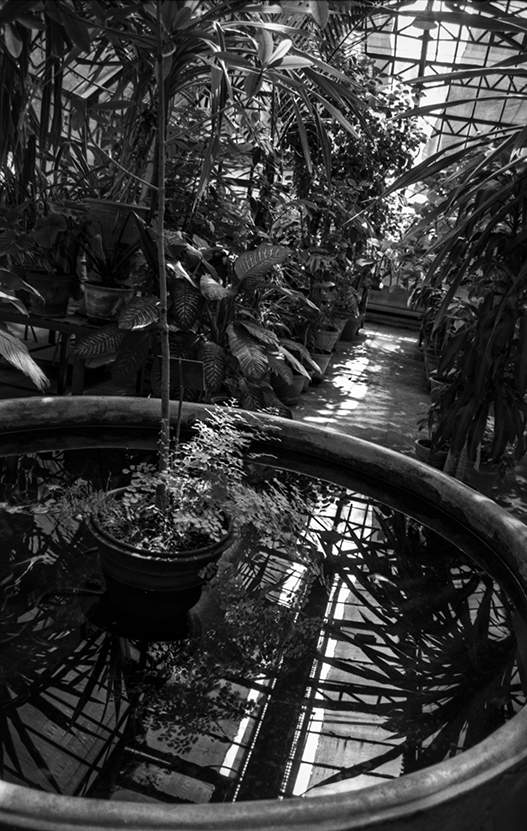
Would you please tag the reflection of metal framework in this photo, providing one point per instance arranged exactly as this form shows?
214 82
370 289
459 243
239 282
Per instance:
425 39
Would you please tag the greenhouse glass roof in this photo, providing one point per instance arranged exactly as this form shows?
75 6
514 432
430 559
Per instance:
466 59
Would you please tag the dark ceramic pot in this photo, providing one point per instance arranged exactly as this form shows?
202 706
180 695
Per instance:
152 584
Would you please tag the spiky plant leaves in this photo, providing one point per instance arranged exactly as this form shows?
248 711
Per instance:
139 313
187 302
212 290
251 355
103 341
260 260
259 332
132 355
280 368
214 360
17 353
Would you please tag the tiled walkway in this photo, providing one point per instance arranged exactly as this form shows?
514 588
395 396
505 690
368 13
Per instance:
375 389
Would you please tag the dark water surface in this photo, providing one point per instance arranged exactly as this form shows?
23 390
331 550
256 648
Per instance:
390 652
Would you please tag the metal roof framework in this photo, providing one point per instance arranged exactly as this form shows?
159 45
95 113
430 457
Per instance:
424 42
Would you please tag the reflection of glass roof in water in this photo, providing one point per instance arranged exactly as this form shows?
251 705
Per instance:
429 38
394 652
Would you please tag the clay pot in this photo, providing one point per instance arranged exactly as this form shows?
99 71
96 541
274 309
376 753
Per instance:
105 303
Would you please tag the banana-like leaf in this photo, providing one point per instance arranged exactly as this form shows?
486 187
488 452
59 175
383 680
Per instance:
260 260
214 361
103 341
280 368
131 356
18 355
9 298
187 303
295 363
139 313
251 355
259 332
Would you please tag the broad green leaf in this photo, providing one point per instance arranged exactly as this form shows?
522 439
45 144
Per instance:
14 44
251 355
320 11
131 356
260 260
211 289
259 332
214 360
103 341
187 303
139 313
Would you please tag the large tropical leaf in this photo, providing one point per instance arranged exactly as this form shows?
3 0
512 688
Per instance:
260 260
139 313
259 332
187 303
131 356
17 353
279 367
251 355
214 359
103 341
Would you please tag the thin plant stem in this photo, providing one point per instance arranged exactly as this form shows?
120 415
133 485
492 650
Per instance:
164 437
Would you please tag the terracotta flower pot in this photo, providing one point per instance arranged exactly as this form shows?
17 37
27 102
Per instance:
326 339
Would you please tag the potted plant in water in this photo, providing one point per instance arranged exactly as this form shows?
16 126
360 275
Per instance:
157 534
